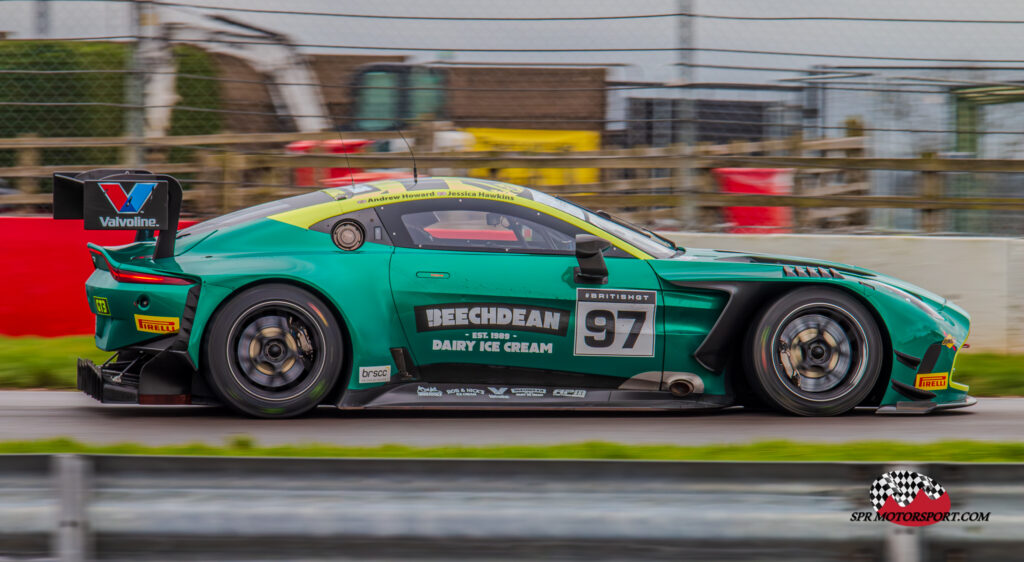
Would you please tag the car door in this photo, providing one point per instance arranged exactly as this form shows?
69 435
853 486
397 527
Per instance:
486 293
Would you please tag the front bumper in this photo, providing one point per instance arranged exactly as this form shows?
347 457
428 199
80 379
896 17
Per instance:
925 406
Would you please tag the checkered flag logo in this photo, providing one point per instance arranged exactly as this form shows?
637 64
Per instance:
903 485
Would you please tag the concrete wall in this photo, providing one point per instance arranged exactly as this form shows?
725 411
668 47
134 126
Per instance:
983 275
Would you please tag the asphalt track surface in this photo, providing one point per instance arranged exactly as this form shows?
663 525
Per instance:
27 415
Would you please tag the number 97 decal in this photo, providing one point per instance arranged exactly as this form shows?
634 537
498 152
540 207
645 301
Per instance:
615 322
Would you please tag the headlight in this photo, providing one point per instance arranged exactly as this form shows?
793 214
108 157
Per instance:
909 298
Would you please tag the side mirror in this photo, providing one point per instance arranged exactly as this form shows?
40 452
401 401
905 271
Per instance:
592 269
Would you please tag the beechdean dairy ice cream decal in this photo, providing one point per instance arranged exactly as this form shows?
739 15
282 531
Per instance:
522 318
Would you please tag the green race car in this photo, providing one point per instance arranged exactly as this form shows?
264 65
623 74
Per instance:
467 293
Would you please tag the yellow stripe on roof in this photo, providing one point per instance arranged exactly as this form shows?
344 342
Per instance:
392 191
306 217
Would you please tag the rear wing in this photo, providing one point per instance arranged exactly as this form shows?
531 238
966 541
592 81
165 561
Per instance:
117 199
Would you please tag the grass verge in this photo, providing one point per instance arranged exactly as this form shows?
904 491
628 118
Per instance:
876 451
32 362
991 374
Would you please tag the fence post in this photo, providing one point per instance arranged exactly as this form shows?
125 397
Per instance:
681 184
205 188
279 178
855 128
643 175
799 214
903 544
134 88
423 142
319 173
28 156
932 219
71 536
707 217
704 182
234 170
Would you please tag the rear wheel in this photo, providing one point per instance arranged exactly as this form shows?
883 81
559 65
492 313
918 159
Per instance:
274 351
814 352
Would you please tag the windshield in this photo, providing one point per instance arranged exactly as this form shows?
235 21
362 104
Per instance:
631 235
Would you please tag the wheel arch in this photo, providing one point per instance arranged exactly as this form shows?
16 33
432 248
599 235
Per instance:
747 299
335 311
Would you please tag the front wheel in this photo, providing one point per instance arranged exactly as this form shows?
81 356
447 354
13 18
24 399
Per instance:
274 351
814 352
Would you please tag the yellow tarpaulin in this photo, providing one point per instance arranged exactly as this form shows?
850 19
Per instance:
536 140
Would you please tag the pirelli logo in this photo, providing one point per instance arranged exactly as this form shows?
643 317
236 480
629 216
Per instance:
156 324
932 381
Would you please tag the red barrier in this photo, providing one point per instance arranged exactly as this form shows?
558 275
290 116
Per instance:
45 266
768 181
307 177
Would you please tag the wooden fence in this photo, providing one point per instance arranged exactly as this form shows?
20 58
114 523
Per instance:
830 186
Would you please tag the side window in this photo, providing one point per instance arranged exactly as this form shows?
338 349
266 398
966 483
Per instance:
475 225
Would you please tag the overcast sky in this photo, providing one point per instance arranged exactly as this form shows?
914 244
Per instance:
445 38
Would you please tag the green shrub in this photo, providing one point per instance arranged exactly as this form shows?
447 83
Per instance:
106 90
63 121
194 91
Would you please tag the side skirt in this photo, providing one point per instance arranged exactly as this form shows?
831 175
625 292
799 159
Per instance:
474 397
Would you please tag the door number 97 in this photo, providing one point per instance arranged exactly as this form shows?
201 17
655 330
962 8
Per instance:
615 323
603 322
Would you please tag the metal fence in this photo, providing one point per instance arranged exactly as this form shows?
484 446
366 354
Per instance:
176 508
829 190
918 78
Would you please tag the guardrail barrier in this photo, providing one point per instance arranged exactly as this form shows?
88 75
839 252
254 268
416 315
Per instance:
80 507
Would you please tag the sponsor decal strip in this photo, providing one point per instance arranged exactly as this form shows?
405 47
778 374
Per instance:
615 323
369 375
480 393
125 205
102 307
522 318
431 391
130 222
130 202
492 346
932 381
911 499
156 324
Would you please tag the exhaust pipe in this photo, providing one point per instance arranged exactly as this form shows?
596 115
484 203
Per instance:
680 388
683 384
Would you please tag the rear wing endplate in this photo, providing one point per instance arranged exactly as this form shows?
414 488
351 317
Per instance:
119 199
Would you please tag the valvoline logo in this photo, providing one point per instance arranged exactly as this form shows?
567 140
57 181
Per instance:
129 203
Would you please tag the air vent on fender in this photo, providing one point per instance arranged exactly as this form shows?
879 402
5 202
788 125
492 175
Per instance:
809 271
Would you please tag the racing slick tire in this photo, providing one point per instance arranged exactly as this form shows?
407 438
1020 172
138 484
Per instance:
814 352
273 351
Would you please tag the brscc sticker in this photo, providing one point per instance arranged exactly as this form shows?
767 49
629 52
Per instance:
375 374
615 322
